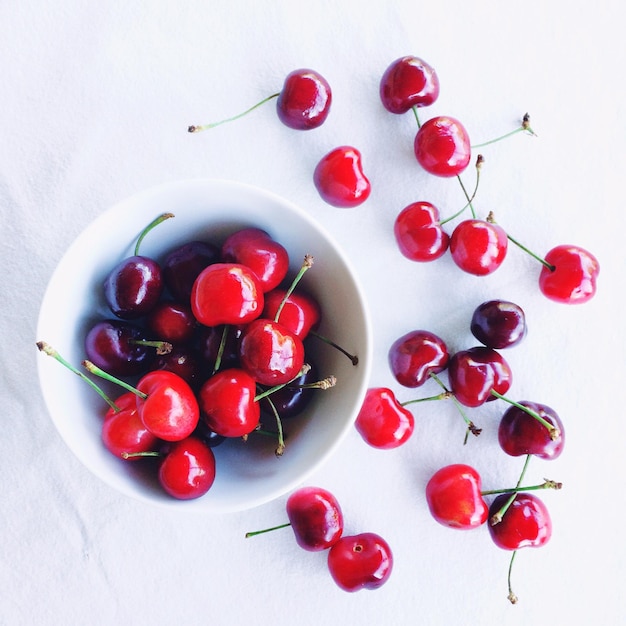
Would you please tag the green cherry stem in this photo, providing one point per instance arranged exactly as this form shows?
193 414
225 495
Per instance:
417 117
162 347
306 264
94 369
50 351
279 425
268 392
197 129
524 127
149 227
221 348
479 163
511 597
546 484
254 533
553 430
496 518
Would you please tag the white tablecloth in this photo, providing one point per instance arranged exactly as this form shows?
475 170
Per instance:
96 100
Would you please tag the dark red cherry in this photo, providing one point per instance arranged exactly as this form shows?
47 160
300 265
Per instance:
419 234
339 178
256 249
525 524
573 279
498 324
183 361
304 101
171 321
382 421
290 400
208 342
454 497
478 247
415 356
315 517
520 434
474 373
363 561
407 82
300 312
182 265
442 146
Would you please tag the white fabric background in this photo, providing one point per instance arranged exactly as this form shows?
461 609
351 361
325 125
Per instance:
96 99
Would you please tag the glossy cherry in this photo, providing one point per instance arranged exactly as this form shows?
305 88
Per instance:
339 178
256 249
382 421
572 277
207 342
227 401
363 561
498 324
315 518
290 400
304 101
475 373
170 410
416 355
478 247
300 311
418 233
270 352
454 498
409 81
171 321
187 470
226 293
442 146
525 524
520 433
183 361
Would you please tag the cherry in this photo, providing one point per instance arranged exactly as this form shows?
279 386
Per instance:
498 324
187 470
382 421
119 347
407 82
171 321
454 497
478 247
204 433
304 101
419 234
181 266
442 146
521 433
299 311
256 249
218 346
476 373
227 401
415 356
183 361
270 353
362 561
294 397
570 275
226 293
339 178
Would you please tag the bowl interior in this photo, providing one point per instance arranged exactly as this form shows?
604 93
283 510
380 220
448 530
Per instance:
248 474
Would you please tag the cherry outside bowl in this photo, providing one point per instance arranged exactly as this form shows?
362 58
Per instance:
248 474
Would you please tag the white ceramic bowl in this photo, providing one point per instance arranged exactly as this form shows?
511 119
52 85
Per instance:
246 475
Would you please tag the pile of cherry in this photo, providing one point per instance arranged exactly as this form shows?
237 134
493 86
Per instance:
204 343
479 374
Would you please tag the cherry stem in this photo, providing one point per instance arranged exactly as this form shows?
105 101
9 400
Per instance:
471 428
353 357
469 199
546 484
162 347
50 351
94 369
305 368
133 455
325 383
417 117
149 227
197 129
444 395
555 433
511 597
306 264
524 127
496 518
479 162
281 441
221 348
254 533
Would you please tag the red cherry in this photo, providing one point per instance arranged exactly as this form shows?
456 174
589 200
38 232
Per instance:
454 498
478 247
188 469
573 279
442 146
304 101
408 82
226 293
256 249
520 434
315 517
525 524
498 324
170 411
416 355
270 353
418 233
362 561
339 178
382 421
300 313
475 373
227 401
172 321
